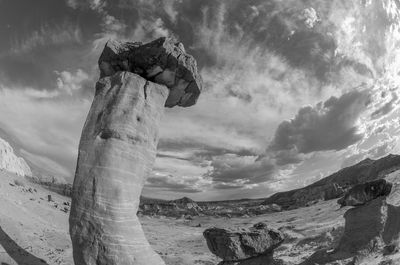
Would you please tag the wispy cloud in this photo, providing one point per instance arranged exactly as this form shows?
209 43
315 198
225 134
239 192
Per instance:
48 35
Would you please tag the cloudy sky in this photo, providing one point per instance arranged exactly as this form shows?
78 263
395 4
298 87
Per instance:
294 89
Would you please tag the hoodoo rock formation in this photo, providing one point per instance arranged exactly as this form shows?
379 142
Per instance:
118 147
371 228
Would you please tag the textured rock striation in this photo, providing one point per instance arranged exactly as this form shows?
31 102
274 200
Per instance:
363 193
118 147
11 162
240 245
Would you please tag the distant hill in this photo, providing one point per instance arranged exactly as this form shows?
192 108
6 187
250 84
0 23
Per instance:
336 184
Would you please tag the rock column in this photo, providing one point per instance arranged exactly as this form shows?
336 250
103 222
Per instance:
118 148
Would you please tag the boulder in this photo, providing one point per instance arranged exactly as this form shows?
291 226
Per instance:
363 193
242 244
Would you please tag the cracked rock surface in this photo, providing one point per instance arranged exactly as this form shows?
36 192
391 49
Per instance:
161 61
362 193
242 244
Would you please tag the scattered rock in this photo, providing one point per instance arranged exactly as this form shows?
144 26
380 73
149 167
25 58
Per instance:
49 198
19 183
363 193
241 244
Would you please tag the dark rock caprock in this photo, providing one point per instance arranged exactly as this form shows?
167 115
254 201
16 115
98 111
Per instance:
118 147
238 245
363 193
162 61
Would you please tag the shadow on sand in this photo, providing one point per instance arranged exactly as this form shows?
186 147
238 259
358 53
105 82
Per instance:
18 254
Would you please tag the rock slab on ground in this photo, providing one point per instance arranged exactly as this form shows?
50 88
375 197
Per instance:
242 244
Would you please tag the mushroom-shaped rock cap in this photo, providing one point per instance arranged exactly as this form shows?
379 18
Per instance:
161 61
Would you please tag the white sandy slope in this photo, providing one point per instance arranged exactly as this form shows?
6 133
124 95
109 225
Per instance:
31 228
11 162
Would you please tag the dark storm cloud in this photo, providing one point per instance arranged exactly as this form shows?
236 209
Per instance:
45 37
227 186
199 149
240 171
270 25
327 126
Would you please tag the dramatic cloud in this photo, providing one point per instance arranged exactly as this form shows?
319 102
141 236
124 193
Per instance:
331 125
257 127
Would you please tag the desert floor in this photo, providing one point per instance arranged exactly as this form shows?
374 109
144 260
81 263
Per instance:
34 231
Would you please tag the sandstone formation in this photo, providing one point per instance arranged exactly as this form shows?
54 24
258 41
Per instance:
233 245
335 185
371 228
9 161
363 193
118 147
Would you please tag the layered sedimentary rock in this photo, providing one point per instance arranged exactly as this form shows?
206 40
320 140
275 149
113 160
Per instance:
363 193
118 147
234 245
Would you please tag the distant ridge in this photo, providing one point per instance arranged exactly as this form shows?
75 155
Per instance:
334 186
330 187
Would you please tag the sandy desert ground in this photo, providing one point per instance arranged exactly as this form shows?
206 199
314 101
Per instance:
34 231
